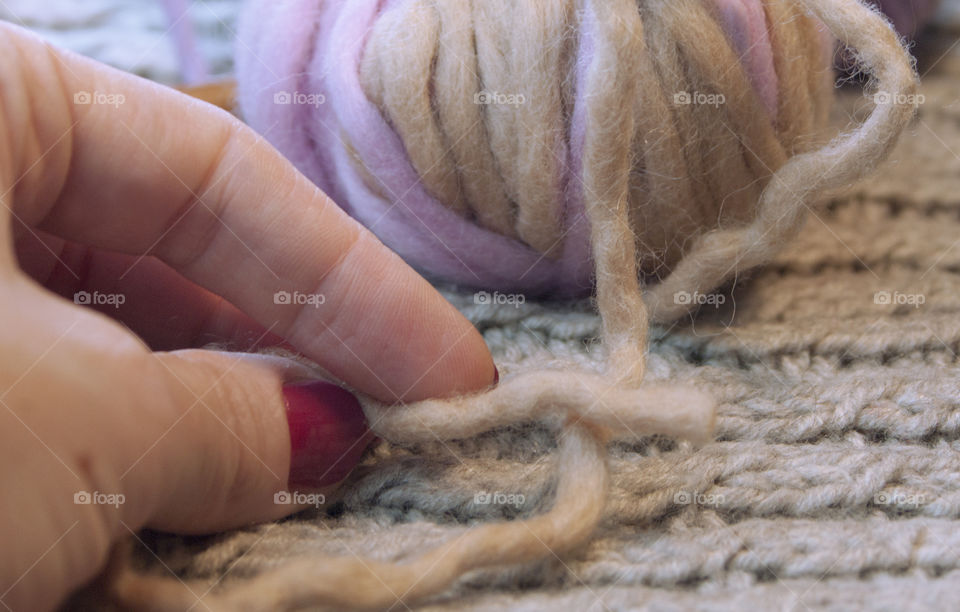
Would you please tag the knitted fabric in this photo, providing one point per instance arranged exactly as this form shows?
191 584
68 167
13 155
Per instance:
832 484
834 457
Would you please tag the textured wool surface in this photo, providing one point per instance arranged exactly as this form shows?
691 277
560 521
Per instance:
834 476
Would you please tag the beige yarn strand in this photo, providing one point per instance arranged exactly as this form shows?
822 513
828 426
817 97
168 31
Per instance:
607 161
586 409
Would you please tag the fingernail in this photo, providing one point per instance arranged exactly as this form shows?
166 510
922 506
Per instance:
496 376
328 433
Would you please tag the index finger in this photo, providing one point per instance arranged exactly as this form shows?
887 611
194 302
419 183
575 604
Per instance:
116 162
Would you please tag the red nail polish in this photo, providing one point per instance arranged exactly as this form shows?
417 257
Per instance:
328 433
496 376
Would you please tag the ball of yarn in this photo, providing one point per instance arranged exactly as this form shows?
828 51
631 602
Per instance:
455 130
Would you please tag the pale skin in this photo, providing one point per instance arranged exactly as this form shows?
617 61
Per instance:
195 440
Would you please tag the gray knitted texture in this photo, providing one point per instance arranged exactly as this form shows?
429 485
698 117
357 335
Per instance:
834 480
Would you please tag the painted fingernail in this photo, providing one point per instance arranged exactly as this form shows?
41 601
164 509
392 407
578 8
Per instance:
328 433
496 376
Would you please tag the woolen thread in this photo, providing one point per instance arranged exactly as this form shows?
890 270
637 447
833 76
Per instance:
688 193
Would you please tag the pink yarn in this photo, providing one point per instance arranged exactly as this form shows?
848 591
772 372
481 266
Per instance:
745 23
314 47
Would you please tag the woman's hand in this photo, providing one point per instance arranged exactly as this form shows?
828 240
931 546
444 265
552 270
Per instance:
185 228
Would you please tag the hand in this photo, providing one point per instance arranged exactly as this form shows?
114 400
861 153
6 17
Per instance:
183 225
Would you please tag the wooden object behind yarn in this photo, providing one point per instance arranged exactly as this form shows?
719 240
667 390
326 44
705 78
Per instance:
222 94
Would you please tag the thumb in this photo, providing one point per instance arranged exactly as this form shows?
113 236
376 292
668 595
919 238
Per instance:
99 437
247 438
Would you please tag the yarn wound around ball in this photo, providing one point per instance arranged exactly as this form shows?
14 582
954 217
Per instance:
457 131
632 150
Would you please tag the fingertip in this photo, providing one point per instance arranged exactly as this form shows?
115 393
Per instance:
455 359
387 332
468 368
474 370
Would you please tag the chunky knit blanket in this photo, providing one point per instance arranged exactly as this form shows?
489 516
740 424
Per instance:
834 480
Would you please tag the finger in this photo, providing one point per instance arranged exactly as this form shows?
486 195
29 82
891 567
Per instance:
162 307
255 427
141 169
190 441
